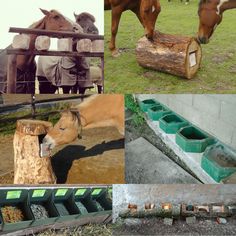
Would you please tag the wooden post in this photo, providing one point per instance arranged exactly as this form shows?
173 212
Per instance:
11 74
29 167
173 54
102 67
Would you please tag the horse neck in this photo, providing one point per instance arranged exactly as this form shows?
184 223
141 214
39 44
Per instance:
227 5
96 111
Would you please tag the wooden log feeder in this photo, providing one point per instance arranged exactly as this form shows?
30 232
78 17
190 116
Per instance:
173 54
29 166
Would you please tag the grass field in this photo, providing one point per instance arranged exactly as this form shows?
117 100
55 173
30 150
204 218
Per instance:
218 68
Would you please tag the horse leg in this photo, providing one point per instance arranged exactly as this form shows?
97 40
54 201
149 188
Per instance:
82 90
46 87
116 14
66 89
99 89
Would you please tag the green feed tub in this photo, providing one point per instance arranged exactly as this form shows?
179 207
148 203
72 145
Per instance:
63 200
157 112
192 139
15 198
43 197
145 104
219 162
171 123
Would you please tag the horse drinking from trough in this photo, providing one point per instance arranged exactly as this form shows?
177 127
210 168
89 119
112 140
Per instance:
69 73
52 20
210 16
147 12
96 111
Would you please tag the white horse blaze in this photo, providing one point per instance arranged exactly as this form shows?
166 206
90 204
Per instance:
219 6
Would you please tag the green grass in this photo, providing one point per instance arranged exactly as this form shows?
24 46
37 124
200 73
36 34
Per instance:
218 68
137 118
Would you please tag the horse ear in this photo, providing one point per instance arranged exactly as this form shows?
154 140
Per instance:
75 16
45 12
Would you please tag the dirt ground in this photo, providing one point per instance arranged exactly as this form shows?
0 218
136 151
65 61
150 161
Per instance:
96 158
155 226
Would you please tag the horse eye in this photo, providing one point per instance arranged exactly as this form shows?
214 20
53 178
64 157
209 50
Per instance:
56 17
62 128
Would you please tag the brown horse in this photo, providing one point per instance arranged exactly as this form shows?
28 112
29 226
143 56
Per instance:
96 111
147 12
53 20
210 16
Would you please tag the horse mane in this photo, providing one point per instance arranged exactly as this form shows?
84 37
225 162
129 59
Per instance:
86 15
36 24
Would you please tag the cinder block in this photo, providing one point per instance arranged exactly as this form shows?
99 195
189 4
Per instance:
228 113
207 104
162 98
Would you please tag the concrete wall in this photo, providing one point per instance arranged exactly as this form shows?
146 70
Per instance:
176 194
216 114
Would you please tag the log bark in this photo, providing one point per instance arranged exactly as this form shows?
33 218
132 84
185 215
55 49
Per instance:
64 45
42 43
84 45
98 46
29 167
173 54
21 41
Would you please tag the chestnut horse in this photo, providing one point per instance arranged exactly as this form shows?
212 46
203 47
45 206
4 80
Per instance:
53 20
101 110
210 16
147 12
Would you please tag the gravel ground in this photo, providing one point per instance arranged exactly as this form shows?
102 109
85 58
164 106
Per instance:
155 226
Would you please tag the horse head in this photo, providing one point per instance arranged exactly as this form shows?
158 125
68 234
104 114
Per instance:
86 21
210 15
54 20
149 11
66 130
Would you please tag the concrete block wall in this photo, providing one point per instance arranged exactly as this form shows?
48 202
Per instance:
214 113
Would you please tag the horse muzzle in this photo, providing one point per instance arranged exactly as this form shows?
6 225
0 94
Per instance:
203 40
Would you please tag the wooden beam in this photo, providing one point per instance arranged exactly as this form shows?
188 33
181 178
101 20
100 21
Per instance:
54 53
11 74
98 219
55 34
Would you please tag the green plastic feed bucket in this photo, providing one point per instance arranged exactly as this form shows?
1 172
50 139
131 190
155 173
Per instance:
103 198
15 202
145 104
64 202
42 207
171 123
158 111
192 139
219 161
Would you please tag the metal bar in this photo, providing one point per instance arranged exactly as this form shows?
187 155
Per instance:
54 53
55 34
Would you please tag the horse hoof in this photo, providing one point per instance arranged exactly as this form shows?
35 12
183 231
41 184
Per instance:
115 53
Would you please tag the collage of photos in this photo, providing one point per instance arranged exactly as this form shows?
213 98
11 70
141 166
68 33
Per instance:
117 117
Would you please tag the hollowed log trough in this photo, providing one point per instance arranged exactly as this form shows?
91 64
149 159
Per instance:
173 54
29 166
